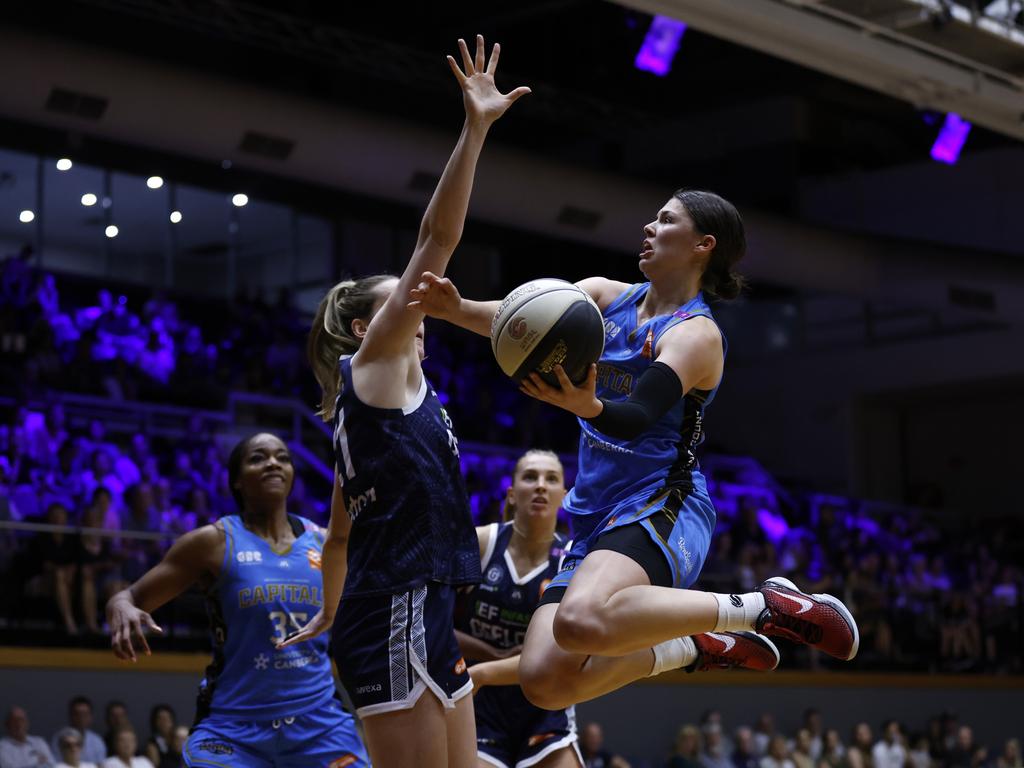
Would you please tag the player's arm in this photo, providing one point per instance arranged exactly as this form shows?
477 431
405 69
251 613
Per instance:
441 229
602 290
500 672
473 648
194 555
688 356
334 567
438 297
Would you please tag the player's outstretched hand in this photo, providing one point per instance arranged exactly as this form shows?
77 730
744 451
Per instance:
319 624
581 400
483 101
435 297
126 620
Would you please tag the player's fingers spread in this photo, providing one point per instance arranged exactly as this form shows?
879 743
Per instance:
455 70
152 624
479 62
493 63
520 91
467 61
563 379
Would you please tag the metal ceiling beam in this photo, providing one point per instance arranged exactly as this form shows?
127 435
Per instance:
861 52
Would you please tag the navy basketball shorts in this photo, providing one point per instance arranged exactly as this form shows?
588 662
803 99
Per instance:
326 737
391 648
512 733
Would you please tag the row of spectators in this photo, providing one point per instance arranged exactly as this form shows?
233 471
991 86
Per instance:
942 742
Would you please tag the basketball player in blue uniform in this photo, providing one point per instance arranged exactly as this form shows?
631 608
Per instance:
406 539
621 608
258 707
518 558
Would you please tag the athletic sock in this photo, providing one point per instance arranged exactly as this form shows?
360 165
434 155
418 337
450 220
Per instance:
673 654
737 613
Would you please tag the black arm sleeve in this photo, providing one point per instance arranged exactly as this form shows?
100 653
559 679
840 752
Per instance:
657 390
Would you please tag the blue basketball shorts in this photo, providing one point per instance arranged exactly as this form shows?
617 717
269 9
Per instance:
391 648
326 737
512 733
668 532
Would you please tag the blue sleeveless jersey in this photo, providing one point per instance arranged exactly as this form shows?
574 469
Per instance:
260 597
613 471
498 610
403 488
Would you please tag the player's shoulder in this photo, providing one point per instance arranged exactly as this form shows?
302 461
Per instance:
697 330
602 290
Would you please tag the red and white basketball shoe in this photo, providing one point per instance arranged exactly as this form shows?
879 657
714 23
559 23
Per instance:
734 650
820 621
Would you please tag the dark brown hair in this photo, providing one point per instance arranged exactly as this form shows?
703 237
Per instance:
716 216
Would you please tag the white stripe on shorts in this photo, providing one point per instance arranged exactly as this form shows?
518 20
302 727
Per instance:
397 642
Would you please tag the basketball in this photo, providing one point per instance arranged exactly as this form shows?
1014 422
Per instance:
544 323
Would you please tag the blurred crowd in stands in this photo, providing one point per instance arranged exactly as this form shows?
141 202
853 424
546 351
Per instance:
926 596
941 741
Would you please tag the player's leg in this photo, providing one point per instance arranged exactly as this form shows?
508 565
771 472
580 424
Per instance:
460 730
416 736
567 757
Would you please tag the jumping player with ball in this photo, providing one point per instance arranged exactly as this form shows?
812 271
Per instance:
621 608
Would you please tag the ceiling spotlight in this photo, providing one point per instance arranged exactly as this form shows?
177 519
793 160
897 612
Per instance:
175 217
88 199
64 164
154 182
240 199
111 231
26 216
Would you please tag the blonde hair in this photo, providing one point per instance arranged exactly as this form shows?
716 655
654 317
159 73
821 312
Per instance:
331 335
508 510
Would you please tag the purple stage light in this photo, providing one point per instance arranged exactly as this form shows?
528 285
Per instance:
660 45
952 136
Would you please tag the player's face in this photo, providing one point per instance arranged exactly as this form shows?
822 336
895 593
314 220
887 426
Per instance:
670 241
537 488
384 290
267 470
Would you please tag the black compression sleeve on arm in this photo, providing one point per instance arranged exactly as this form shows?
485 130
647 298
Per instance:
657 390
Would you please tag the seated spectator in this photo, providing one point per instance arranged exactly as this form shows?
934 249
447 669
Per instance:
801 753
99 560
743 754
1010 757
763 733
889 752
964 753
80 716
593 751
859 754
918 756
813 724
162 723
126 744
20 750
101 475
713 755
176 747
832 751
778 754
116 717
687 749
56 554
69 749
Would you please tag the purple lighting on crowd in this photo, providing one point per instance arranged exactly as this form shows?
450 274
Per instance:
660 45
952 136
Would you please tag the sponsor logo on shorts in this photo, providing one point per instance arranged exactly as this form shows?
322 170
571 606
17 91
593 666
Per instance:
216 747
372 688
460 666
538 738
343 761
517 328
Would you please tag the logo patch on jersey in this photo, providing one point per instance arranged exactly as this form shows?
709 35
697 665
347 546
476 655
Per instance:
611 330
517 329
343 761
315 559
460 666
648 350
261 661
246 557
285 564
216 747
494 574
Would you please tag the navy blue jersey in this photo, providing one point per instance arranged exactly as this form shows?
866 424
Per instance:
258 599
498 610
403 488
614 474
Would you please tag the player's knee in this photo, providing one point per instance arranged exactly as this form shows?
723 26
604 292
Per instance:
579 627
542 684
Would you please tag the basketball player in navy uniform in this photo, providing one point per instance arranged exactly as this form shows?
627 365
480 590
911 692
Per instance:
258 707
621 608
399 497
518 559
